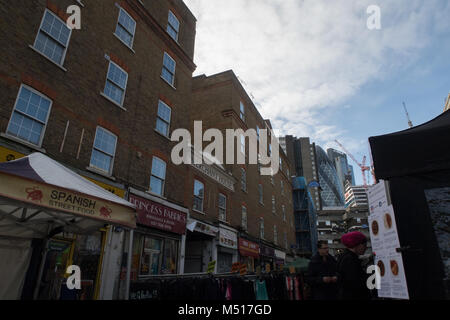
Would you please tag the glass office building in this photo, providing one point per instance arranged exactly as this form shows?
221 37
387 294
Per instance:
332 193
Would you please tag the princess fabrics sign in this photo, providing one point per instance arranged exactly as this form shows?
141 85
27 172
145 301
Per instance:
156 215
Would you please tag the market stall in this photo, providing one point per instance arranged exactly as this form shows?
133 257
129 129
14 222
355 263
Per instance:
416 165
50 218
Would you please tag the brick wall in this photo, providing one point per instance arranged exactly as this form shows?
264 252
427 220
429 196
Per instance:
76 92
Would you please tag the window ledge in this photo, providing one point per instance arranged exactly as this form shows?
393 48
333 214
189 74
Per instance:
99 172
25 143
81 4
171 85
112 101
159 133
58 65
200 212
156 195
126 45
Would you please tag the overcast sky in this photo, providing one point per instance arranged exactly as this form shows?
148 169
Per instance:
315 69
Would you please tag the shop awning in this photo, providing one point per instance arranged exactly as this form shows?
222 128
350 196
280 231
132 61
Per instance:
39 196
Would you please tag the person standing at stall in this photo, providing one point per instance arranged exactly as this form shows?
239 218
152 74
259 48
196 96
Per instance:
352 276
322 274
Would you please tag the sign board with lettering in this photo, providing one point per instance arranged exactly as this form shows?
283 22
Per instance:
384 239
211 266
216 174
248 248
159 216
65 200
228 238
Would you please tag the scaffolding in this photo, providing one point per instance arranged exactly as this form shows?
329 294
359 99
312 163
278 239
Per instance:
305 218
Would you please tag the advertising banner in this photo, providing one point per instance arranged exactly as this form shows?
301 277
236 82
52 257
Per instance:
65 200
385 241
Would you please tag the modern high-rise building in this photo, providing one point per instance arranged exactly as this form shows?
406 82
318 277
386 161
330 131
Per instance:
302 155
352 174
355 196
306 196
340 162
332 194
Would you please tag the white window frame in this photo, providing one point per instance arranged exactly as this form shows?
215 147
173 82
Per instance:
174 71
261 194
244 217
242 144
261 228
113 156
274 210
134 31
169 24
48 35
158 117
275 235
203 198
106 81
224 209
41 139
163 180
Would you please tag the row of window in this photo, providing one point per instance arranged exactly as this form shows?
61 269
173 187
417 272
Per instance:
275 233
30 117
199 195
53 36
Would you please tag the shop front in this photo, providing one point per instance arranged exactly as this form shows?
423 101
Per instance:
200 246
249 254
52 218
227 247
267 258
157 243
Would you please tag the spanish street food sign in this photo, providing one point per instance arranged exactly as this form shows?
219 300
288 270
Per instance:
61 199
385 241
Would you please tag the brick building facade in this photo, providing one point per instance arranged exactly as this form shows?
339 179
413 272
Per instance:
103 100
261 208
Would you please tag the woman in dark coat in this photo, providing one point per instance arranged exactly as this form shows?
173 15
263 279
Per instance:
352 276
322 276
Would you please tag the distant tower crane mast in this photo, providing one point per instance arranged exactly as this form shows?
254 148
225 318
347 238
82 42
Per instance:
407 116
362 165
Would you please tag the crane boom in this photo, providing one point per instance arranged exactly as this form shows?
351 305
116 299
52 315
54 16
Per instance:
363 166
407 116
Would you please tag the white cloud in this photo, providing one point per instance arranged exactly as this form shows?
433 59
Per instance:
301 58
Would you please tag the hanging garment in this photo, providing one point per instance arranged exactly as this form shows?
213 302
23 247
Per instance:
290 287
297 289
228 291
261 290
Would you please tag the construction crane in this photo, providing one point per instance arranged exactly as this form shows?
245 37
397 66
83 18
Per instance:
407 116
362 165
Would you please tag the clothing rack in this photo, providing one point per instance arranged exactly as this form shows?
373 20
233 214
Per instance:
216 275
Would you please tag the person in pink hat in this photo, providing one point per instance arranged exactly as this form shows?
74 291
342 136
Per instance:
352 276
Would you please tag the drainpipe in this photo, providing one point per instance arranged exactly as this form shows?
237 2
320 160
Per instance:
130 254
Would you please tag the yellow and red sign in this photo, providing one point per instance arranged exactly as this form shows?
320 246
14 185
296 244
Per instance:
65 200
